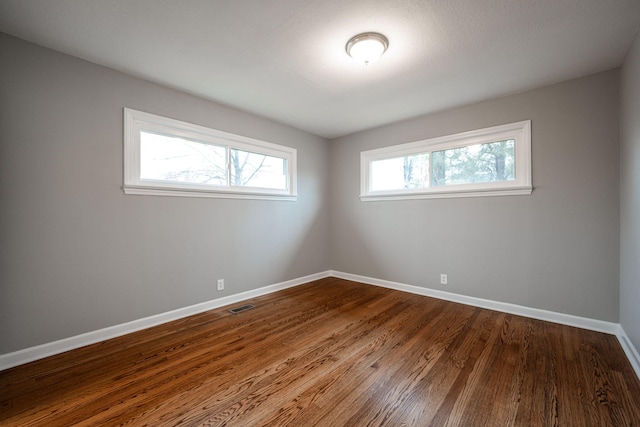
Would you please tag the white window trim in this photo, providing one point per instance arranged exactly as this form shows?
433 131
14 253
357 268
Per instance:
520 132
137 121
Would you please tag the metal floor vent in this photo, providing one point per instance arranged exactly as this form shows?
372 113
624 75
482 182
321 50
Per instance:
242 308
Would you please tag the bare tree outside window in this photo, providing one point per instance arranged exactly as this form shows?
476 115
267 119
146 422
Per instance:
257 170
175 159
167 158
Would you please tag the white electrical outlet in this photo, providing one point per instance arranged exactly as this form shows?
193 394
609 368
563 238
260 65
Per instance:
443 279
220 284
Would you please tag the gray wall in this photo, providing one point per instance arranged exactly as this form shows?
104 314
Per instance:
78 255
557 249
630 197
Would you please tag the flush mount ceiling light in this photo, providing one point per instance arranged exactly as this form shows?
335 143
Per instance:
367 47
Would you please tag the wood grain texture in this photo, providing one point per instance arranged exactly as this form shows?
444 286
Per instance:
334 353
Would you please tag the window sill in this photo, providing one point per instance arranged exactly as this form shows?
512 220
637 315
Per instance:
514 191
172 192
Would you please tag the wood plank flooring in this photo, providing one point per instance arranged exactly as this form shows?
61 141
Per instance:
334 353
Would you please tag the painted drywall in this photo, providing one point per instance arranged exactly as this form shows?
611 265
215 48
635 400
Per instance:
556 249
630 196
77 254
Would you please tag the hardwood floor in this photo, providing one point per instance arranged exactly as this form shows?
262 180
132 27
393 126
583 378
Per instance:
334 353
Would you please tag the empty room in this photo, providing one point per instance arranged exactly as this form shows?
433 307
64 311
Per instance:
320 213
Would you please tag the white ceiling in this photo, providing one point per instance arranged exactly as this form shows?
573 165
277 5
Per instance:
285 59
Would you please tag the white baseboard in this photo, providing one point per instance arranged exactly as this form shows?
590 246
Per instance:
30 354
27 355
534 313
629 350
520 310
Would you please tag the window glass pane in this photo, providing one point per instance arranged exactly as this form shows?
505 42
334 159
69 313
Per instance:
175 159
400 172
257 170
492 162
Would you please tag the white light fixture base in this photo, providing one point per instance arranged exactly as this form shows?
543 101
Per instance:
367 47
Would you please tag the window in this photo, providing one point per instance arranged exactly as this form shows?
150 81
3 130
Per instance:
168 157
494 161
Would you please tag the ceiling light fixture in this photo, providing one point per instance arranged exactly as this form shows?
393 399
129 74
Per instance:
367 47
